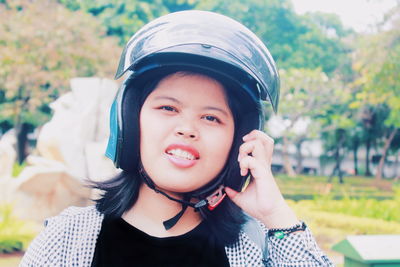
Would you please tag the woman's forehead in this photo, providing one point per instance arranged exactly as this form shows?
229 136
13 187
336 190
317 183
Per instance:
186 74
183 83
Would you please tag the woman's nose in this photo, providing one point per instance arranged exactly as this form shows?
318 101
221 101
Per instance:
187 131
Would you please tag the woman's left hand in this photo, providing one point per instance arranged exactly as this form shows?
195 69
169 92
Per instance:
262 198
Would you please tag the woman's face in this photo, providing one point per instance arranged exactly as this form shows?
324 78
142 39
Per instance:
186 132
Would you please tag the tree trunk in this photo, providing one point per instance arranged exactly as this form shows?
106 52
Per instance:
21 128
388 140
338 159
396 165
337 168
355 150
21 132
368 147
287 165
299 156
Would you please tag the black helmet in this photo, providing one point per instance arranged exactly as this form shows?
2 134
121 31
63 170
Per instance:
197 41
200 38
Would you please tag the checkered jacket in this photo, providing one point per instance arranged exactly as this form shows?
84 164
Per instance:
69 239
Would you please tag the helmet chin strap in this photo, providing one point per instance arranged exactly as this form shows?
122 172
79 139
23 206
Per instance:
213 200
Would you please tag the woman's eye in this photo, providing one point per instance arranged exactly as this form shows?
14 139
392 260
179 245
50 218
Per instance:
167 108
212 118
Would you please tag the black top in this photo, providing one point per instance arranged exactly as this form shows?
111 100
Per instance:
121 244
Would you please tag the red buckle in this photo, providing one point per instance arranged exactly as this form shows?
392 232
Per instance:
215 198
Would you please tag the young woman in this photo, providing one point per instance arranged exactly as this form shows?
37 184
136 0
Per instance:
196 187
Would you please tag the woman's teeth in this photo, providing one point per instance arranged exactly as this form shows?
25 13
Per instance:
181 154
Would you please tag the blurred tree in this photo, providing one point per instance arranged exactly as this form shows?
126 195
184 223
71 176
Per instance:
337 123
372 121
395 150
355 136
179 5
123 18
294 41
329 23
42 46
309 94
378 65
311 41
120 18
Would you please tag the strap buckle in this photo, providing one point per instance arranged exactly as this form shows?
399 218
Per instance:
215 198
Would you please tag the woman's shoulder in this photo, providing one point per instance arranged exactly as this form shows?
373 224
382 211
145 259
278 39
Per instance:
75 216
65 238
250 247
77 213
76 221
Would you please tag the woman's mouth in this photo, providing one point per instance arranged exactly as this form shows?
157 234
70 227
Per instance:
182 156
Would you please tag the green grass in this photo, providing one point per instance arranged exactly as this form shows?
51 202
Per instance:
387 210
331 227
307 187
15 234
334 211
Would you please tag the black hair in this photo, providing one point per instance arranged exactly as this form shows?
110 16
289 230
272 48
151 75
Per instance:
120 193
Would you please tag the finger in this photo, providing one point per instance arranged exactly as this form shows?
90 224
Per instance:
251 135
266 140
254 148
263 137
249 163
255 134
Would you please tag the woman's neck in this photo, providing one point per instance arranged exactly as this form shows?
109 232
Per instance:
152 209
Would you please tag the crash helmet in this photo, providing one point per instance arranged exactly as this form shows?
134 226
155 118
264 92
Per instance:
202 42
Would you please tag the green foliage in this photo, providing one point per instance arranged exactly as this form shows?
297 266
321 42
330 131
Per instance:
120 18
8 246
308 187
352 208
378 66
330 24
295 41
123 18
348 224
42 46
311 94
387 210
358 197
17 169
15 234
329 227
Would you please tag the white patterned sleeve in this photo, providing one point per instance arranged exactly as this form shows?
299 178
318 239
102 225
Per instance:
42 250
295 250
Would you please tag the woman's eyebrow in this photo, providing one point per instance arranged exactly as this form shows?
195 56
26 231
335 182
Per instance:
217 109
168 98
179 102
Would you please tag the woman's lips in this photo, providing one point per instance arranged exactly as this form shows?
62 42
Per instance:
182 156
